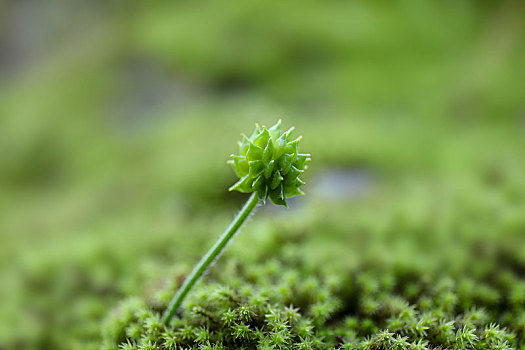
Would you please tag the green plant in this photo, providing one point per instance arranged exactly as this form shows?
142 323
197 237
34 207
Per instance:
269 165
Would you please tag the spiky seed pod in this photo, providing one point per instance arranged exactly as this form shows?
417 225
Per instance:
269 163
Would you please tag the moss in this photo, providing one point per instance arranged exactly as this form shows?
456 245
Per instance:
287 304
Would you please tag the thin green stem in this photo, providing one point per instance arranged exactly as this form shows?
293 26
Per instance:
209 257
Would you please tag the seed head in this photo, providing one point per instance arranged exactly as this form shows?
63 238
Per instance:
269 163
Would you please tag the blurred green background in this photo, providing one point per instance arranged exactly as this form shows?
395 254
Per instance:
116 119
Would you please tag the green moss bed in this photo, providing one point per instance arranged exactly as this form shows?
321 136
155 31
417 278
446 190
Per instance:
286 289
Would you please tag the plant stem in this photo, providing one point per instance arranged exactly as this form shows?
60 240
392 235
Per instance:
206 260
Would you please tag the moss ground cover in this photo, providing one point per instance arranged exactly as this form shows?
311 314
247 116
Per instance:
369 295
113 178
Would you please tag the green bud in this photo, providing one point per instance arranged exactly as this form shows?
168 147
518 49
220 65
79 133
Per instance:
269 163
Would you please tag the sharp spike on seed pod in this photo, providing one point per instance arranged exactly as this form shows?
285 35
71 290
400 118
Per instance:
271 164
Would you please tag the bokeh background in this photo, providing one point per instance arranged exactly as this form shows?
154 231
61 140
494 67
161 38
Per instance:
117 117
